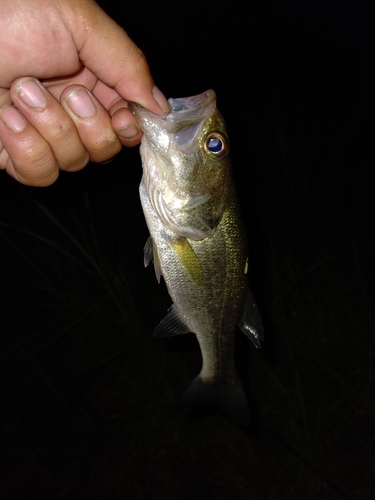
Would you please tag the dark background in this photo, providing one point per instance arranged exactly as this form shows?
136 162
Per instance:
88 396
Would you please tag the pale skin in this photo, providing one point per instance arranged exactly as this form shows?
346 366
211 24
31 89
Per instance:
67 71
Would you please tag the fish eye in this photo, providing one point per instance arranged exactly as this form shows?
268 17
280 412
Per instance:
216 145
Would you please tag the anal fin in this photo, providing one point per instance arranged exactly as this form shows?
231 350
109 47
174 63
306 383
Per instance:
171 325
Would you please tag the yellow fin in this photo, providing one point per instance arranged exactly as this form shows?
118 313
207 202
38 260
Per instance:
188 259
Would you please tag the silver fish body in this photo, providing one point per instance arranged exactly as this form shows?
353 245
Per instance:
198 244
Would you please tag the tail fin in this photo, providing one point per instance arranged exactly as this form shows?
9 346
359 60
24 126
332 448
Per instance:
218 397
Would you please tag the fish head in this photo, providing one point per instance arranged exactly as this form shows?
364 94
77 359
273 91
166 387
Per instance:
186 164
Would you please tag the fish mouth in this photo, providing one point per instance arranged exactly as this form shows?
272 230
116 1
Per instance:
187 118
182 125
190 108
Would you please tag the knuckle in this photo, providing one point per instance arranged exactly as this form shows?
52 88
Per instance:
105 147
36 166
71 154
39 174
61 132
36 156
77 163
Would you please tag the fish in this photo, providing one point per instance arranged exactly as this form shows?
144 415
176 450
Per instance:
198 244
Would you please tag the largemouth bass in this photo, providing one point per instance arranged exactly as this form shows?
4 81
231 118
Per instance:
197 243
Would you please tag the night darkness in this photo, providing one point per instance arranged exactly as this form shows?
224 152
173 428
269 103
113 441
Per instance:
88 396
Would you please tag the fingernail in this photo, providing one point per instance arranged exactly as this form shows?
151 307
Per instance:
161 99
81 103
12 118
129 132
32 93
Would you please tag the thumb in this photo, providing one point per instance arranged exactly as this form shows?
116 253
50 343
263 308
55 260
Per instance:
108 52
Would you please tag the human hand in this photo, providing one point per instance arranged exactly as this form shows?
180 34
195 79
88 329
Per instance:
88 67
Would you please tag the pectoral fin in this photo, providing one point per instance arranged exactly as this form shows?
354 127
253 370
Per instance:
171 325
251 321
188 259
150 254
147 251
